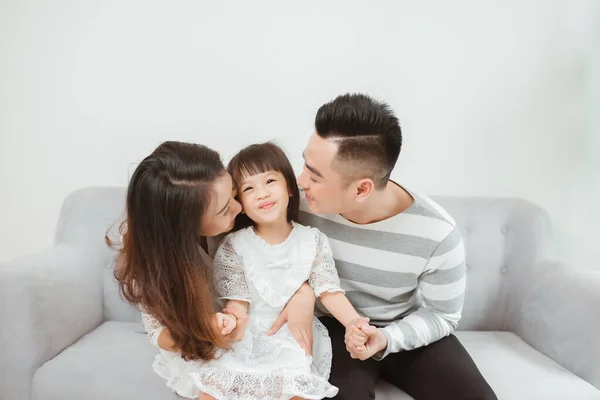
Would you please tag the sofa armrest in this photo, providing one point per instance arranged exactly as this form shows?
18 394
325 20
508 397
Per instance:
559 316
47 302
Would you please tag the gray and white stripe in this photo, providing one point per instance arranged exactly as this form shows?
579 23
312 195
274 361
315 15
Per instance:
406 273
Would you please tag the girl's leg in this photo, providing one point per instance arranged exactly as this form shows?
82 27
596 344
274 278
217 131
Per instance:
204 396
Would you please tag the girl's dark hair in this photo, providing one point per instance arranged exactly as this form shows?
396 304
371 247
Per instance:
160 265
259 158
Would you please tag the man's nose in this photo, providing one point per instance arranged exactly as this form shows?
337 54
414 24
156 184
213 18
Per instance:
301 181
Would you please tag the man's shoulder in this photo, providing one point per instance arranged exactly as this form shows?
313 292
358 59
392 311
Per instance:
428 209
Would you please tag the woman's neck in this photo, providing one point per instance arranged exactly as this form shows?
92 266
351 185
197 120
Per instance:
275 232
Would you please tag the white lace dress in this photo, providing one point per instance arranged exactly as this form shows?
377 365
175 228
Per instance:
260 366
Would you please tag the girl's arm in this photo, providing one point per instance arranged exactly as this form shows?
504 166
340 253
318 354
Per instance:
339 306
326 283
231 284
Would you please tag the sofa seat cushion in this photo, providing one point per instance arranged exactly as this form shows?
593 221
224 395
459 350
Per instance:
115 362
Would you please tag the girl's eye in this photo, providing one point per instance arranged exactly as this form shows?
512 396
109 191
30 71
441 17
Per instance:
270 180
247 188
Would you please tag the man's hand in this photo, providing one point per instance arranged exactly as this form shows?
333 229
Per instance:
239 310
225 323
298 314
376 340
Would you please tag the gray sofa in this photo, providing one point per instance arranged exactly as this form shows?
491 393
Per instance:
531 324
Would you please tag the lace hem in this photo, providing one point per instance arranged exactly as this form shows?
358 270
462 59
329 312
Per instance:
261 349
319 290
284 384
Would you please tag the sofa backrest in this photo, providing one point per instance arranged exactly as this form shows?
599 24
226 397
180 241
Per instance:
500 235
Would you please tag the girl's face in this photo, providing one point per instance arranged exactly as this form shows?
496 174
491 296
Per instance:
223 208
264 197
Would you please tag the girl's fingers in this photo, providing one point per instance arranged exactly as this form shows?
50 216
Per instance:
357 332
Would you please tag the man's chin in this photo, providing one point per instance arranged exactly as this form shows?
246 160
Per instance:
313 208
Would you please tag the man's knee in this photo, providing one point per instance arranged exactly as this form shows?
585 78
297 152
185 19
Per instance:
485 393
481 391
353 389
354 379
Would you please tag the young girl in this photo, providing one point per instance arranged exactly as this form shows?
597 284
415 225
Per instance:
257 269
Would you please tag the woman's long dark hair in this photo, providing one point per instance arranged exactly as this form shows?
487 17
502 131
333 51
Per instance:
160 265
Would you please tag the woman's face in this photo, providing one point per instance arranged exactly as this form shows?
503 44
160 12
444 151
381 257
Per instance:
223 208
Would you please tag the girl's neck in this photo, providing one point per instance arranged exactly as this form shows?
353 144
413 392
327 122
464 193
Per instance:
275 232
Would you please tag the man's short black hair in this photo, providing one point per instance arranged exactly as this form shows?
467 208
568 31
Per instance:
367 134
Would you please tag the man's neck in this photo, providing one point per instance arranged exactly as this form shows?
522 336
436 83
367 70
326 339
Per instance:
381 205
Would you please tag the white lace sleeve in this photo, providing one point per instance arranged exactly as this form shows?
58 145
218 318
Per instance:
152 326
324 276
230 280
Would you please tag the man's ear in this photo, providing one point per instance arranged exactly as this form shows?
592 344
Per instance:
364 188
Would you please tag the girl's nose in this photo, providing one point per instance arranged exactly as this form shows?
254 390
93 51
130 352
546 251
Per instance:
263 193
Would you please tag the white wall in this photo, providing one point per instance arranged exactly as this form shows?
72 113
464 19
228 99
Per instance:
494 98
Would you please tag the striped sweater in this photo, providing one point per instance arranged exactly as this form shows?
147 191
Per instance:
406 273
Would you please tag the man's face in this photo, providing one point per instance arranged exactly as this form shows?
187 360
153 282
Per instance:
323 187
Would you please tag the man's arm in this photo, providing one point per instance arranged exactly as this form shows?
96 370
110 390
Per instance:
442 285
298 313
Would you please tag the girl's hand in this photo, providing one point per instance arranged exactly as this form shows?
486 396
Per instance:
225 323
355 337
239 310
376 341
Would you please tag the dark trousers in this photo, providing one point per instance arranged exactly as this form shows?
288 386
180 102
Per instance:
442 370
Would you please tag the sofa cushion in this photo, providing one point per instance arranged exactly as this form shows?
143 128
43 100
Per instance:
115 308
115 362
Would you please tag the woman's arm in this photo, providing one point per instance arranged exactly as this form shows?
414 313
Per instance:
158 334
165 341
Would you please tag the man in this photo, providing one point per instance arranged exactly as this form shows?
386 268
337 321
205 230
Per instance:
399 255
